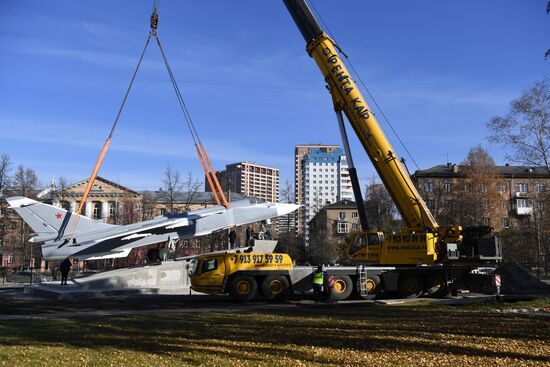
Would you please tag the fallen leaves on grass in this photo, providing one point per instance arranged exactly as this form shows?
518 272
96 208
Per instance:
343 336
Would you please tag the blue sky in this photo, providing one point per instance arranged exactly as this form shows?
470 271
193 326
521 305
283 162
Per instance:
440 69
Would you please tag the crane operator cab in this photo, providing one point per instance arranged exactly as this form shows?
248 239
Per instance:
366 246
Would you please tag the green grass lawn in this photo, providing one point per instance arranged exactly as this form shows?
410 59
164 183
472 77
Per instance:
350 335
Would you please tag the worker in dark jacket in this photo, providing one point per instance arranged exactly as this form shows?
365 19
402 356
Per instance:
249 235
232 238
64 268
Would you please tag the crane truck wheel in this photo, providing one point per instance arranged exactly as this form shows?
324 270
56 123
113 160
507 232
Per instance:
275 287
343 286
243 288
369 288
410 286
436 286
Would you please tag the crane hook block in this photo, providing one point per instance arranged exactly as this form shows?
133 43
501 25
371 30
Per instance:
154 20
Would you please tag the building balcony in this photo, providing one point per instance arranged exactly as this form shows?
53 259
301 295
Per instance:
524 211
521 194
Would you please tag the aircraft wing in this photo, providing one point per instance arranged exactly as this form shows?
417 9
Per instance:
148 240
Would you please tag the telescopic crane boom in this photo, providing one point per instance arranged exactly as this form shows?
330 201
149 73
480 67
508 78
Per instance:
423 240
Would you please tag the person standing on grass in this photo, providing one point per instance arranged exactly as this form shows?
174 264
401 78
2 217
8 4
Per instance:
318 281
64 268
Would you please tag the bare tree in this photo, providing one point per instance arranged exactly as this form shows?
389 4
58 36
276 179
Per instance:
381 210
5 167
173 186
25 183
191 186
147 206
525 130
289 242
5 163
59 191
476 196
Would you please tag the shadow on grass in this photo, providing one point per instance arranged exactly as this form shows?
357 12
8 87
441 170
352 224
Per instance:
365 329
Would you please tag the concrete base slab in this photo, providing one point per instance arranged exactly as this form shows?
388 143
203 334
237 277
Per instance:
66 292
170 277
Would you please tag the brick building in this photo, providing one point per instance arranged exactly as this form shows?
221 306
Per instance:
520 190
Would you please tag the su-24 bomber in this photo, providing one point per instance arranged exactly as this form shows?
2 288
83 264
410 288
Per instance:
66 234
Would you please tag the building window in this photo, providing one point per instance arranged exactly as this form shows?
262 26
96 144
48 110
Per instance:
430 204
163 211
504 223
10 259
428 186
96 210
521 187
523 203
504 206
112 209
541 187
342 215
355 226
447 187
355 215
486 221
449 204
343 227
501 188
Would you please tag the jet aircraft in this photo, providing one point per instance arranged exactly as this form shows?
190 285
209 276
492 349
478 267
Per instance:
91 239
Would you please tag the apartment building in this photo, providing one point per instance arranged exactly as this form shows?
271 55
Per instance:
325 180
249 179
328 230
300 151
519 190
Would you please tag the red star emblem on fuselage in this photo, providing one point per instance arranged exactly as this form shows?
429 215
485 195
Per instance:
59 215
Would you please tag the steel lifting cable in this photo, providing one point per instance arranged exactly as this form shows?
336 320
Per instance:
205 161
347 59
201 151
95 171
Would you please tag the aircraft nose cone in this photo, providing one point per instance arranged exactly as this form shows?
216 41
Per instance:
284 208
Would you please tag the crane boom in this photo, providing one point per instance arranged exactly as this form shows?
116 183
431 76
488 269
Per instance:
348 98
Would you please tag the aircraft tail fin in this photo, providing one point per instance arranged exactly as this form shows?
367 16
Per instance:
50 222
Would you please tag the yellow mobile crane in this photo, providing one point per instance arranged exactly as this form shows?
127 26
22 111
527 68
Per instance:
422 257
423 240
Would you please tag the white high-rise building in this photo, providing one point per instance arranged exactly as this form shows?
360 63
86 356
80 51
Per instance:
300 152
325 180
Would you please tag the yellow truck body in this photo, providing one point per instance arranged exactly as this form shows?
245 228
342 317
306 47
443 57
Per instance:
240 274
